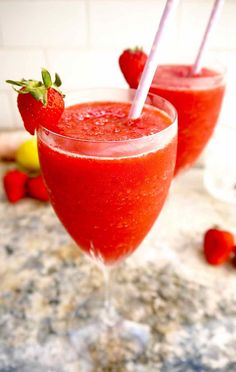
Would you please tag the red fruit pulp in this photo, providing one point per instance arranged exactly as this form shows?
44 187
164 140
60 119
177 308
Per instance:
107 204
218 245
198 102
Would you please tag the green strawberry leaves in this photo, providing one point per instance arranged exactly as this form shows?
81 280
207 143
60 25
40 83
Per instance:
38 89
46 78
57 81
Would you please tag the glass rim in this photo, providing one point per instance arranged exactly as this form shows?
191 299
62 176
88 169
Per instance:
129 140
217 66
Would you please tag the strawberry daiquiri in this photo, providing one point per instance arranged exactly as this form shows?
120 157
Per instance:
108 176
197 99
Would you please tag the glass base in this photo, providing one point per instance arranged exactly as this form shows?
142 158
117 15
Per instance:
102 345
221 187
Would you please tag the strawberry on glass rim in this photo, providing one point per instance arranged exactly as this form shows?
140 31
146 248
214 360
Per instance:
132 62
39 102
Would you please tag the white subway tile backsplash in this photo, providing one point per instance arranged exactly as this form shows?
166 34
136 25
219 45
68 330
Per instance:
127 24
40 23
228 61
225 34
17 120
193 21
192 24
1 38
81 69
7 116
20 63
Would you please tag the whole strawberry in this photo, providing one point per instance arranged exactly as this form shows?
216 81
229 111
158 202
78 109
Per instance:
39 102
132 62
218 246
14 182
36 188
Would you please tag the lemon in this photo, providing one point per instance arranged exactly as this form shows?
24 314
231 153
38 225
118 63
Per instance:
27 155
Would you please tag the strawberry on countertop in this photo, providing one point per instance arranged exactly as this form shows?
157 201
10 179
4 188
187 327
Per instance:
39 102
218 246
36 188
132 62
14 182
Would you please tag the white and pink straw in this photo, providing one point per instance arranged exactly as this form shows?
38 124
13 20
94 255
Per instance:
151 64
214 16
152 61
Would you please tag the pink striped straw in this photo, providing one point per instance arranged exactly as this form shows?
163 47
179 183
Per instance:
151 64
214 16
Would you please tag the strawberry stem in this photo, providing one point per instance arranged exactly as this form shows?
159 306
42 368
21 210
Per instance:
18 83
38 89
57 81
136 49
46 78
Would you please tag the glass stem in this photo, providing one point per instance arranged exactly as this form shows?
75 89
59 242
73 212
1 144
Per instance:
109 313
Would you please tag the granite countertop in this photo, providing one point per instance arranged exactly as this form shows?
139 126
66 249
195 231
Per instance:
189 305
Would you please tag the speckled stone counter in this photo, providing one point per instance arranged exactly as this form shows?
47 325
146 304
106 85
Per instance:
189 306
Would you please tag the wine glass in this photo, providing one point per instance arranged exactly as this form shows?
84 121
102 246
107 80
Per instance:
108 194
197 99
